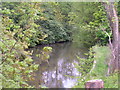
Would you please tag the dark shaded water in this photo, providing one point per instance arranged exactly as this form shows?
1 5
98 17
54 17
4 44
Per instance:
61 71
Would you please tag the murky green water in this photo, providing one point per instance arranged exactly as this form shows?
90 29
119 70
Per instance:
61 71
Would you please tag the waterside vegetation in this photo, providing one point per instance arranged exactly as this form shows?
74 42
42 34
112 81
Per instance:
27 24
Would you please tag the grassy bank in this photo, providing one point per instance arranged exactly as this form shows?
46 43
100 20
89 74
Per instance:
98 70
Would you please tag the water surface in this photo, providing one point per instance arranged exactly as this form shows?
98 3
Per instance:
61 71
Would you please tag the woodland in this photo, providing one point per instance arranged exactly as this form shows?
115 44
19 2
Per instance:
94 25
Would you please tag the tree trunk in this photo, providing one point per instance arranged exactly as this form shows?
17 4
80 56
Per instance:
113 20
97 84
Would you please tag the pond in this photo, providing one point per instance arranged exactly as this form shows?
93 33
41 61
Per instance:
61 71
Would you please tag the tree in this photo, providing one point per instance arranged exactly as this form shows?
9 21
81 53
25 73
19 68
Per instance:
114 46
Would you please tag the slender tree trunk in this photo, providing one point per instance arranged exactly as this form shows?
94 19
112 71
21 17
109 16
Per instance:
113 20
119 53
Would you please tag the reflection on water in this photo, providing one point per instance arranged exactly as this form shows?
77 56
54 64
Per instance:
61 71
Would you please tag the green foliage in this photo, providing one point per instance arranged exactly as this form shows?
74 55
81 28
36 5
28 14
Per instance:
45 54
56 22
83 12
85 65
111 81
83 33
89 24
26 25
101 54
43 23
17 65
101 26
118 8
29 24
85 36
47 49
24 16
39 21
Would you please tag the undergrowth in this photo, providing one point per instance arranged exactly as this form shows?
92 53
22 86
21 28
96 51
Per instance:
100 55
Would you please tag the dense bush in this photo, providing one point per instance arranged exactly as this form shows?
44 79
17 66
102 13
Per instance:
18 32
17 65
56 22
42 20
101 26
91 25
24 15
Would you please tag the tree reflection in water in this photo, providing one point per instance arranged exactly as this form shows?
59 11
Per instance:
61 71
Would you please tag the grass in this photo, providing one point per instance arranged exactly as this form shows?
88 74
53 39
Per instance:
101 56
